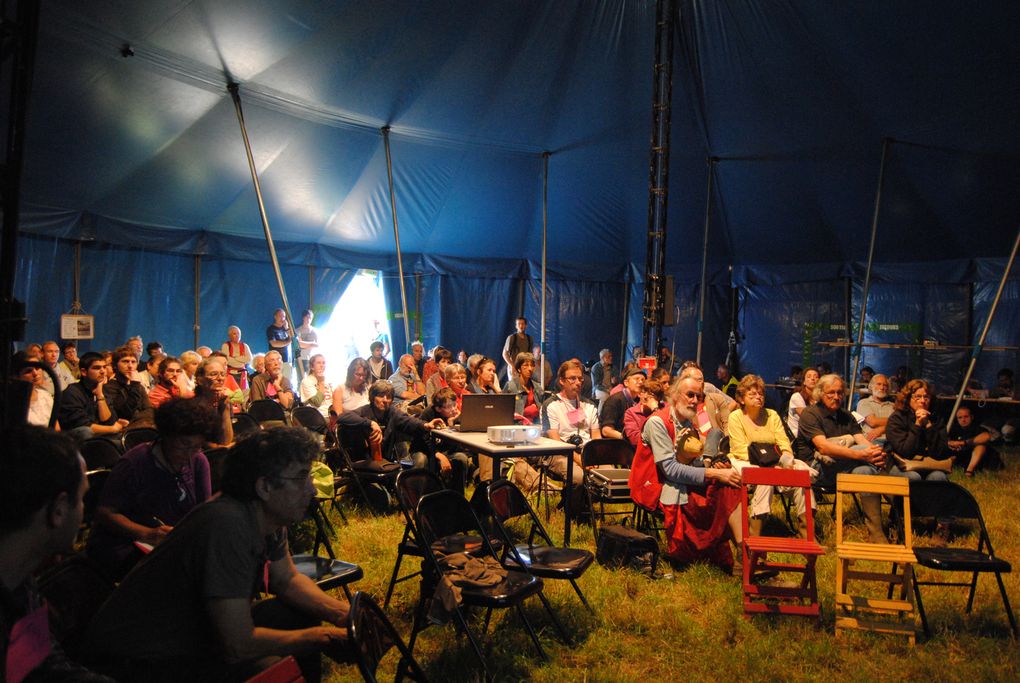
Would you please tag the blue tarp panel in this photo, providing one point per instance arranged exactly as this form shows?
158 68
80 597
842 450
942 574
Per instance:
793 99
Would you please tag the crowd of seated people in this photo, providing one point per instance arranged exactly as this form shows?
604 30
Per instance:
691 439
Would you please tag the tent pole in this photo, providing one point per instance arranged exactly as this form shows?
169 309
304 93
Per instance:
867 276
396 237
198 295
76 304
626 308
704 259
311 288
545 227
984 332
232 88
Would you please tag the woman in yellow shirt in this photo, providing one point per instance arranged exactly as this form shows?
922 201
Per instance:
757 424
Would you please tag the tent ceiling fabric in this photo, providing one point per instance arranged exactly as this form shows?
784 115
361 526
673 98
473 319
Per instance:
794 97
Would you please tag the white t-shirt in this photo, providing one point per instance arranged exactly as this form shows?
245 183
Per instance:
792 418
564 418
309 387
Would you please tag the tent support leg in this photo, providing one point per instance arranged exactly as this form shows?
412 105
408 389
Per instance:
545 229
984 331
396 238
704 259
232 88
852 381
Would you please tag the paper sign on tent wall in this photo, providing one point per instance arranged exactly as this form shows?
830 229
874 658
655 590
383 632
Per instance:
77 326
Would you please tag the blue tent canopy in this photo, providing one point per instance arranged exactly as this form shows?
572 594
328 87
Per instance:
141 158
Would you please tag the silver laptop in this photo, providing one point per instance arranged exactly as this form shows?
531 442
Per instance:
478 412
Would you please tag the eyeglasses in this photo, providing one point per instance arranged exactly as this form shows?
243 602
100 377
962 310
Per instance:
305 478
835 392
694 394
572 378
920 397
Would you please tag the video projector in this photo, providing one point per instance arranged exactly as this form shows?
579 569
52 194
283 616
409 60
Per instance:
514 434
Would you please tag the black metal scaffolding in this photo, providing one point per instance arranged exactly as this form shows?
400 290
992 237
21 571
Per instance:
658 178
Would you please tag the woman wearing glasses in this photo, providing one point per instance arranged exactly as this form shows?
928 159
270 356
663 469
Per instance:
756 424
915 433
153 486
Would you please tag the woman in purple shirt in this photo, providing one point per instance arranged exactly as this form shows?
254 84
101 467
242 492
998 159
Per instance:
152 487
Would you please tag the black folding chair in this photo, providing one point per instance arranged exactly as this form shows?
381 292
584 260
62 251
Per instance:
310 418
446 523
97 479
74 591
217 458
372 634
544 560
945 500
132 437
266 410
412 486
244 424
608 486
100 453
362 473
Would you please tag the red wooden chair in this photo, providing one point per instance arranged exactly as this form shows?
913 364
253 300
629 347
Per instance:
800 600
284 671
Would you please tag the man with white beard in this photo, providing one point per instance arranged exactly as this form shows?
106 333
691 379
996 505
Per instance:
700 500
876 408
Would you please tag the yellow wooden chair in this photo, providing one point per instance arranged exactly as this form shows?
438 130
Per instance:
855 610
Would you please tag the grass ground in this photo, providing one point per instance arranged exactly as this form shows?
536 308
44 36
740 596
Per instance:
692 625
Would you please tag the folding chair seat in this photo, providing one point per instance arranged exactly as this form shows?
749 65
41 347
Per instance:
446 515
267 412
799 600
132 437
412 485
100 453
372 634
543 560
328 573
943 499
608 486
857 610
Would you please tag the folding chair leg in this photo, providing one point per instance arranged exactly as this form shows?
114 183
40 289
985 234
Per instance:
555 619
577 589
531 632
462 622
485 625
1005 603
973 589
393 578
347 592
416 623
920 610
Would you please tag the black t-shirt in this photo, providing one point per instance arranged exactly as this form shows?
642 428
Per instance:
817 420
279 333
613 409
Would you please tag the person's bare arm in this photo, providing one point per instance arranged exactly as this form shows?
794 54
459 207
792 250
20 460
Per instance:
241 640
301 593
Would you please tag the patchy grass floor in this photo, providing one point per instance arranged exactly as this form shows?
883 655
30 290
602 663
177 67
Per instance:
692 624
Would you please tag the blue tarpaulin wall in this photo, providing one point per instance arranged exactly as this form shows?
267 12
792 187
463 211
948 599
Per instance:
140 158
